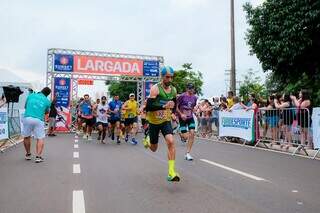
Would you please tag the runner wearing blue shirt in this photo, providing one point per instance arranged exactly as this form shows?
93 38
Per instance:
86 113
37 105
115 116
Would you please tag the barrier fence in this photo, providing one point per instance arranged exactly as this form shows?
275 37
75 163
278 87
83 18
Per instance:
287 127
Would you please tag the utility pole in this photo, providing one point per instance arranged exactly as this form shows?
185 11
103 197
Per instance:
233 57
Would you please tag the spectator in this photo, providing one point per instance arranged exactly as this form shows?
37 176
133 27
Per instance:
230 99
215 112
52 118
304 116
287 116
237 105
272 119
37 104
2 101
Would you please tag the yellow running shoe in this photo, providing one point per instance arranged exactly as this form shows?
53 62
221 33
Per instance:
146 142
173 178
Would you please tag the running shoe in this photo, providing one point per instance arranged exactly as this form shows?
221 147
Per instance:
112 136
39 159
99 137
174 178
78 132
133 141
188 157
85 136
127 138
146 142
28 156
118 140
183 140
89 138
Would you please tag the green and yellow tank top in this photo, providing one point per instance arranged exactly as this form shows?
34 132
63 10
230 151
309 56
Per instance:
161 116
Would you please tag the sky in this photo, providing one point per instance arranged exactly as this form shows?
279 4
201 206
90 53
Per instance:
182 31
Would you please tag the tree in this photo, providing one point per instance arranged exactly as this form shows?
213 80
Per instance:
123 89
284 35
181 78
188 75
252 85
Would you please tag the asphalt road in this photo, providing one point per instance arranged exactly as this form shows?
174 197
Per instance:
126 178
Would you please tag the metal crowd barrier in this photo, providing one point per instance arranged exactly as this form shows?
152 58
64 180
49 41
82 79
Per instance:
289 127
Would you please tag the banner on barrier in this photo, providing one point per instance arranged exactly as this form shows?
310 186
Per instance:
62 88
238 123
3 124
316 127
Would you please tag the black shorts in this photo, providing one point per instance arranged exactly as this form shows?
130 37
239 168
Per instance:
89 122
187 125
154 130
114 121
104 125
130 121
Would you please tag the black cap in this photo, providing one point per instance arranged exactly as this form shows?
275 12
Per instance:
190 86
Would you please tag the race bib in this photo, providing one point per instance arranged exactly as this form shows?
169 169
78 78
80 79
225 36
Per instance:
162 114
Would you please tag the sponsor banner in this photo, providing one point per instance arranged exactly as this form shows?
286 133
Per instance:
111 66
316 127
238 123
147 87
62 91
4 124
151 68
63 63
63 119
85 82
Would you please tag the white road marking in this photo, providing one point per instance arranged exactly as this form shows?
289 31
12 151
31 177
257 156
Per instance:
76 169
78 202
76 136
300 203
234 170
294 191
76 146
75 154
76 140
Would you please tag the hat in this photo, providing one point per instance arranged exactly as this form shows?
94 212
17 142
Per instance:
190 86
132 95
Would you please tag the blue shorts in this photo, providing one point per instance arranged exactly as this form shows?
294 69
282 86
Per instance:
272 121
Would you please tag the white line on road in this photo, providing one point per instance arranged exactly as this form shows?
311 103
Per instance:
76 169
78 202
76 140
76 146
75 154
233 170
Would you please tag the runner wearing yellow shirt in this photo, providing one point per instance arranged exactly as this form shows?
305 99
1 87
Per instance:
230 101
131 118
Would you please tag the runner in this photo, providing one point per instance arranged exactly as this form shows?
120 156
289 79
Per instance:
160 107
79 119
115 117
144 122
186 104
102 119
86 112
131 118
37 104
